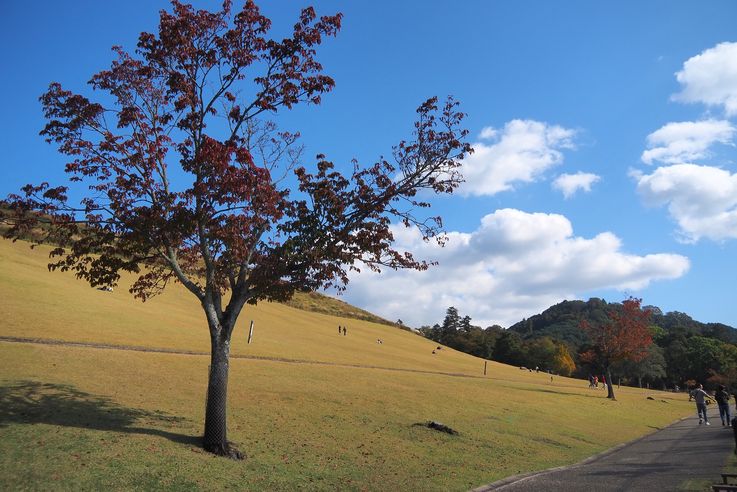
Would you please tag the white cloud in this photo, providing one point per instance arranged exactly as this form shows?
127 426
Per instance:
711 78
569 184
520 152
701 199
514 265
686 141
488 133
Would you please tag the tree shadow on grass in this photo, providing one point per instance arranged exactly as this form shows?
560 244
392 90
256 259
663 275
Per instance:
560 392
31 402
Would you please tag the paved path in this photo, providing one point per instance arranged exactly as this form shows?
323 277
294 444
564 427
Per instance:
663 460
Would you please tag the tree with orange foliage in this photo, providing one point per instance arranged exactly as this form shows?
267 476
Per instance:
563 363
625 335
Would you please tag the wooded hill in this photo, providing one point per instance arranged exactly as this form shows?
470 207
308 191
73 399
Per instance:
562 321
684 350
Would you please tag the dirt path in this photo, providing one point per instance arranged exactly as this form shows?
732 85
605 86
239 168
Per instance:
134 348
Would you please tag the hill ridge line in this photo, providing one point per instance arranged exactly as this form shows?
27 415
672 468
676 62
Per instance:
136 348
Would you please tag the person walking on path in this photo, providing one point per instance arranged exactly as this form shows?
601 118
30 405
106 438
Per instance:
722 398
701 396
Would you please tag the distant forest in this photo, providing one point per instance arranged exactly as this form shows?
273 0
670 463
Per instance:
684 351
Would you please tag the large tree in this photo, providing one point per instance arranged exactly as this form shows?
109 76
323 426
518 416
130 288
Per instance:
624 335
650 368
450 326
188 181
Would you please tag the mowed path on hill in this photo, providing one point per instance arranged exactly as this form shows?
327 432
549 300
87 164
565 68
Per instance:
41 341
38 304
311 408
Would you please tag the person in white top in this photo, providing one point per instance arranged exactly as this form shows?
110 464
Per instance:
701 396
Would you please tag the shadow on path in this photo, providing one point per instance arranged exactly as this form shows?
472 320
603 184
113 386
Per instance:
31 402
668 459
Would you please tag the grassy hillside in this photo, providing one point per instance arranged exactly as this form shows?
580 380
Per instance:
312 409
319 303
39 304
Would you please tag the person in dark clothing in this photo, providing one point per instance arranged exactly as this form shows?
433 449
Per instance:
722 398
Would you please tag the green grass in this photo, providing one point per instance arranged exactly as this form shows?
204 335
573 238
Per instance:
76 418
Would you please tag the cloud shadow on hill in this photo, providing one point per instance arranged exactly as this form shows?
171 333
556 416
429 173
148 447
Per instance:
32 402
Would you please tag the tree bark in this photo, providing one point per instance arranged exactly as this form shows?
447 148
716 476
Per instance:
216 434
609 385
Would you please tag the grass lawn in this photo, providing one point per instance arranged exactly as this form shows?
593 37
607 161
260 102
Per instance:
341 419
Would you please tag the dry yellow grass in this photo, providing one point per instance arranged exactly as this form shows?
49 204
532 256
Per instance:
58 306
84 418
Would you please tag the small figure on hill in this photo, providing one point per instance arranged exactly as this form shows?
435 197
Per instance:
433 352
551 379
596 381
701 397
722 398
344 331
340 329
537 368
591 381
603 382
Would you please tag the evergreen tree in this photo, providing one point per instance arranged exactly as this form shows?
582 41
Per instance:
450 326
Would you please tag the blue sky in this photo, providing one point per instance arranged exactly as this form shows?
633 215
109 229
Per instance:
604 132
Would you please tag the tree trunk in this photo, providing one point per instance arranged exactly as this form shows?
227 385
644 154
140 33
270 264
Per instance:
216 435
609 385
639 381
